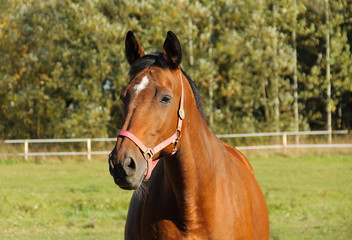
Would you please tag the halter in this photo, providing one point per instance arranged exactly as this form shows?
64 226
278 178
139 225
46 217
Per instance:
148 153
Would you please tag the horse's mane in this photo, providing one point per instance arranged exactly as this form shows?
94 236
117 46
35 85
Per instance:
157 59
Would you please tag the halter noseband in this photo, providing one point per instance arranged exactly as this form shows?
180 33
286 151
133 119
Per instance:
148 153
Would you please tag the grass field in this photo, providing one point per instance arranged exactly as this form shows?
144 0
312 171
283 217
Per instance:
309 197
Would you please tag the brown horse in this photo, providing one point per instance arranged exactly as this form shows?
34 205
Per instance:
202 188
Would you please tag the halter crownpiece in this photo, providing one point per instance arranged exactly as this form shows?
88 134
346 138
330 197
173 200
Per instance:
148 153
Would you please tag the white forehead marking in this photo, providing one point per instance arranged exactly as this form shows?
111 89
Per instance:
142 85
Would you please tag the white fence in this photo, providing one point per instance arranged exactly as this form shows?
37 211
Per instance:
89 141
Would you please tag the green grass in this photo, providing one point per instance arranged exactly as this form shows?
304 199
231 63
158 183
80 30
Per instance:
69 200
309 197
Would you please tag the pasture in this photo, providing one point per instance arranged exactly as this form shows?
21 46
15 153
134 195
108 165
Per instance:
309 197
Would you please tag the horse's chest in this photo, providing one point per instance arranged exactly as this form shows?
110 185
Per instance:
168 229
166 222
160 217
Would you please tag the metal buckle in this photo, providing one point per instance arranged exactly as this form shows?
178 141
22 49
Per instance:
148 154
176 142
181 113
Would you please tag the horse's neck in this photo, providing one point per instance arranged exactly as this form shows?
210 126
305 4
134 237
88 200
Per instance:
194 165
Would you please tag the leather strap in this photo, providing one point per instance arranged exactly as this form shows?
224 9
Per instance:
148 153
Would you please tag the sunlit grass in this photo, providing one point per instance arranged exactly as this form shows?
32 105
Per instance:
67 200
309 197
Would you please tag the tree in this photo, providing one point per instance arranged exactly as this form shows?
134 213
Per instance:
59 56
258 65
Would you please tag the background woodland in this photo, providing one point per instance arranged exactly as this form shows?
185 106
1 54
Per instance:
260 65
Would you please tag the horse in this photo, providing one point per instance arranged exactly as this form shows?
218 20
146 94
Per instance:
190 185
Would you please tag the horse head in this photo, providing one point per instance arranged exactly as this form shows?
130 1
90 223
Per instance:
153 111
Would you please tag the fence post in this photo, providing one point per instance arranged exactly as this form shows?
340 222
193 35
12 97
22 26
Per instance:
26 150
89 148
284 142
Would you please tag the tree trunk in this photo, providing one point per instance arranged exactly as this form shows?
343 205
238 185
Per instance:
276 101
295 83
328 90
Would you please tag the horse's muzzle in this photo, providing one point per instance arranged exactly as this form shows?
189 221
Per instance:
124 172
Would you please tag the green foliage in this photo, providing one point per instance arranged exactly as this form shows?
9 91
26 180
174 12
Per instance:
59 59
62 63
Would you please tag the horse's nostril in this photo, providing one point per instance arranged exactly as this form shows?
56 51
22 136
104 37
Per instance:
129 162
129 166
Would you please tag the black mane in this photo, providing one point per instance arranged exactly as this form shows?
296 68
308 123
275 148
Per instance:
157 59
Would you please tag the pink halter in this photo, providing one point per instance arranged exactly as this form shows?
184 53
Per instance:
148 153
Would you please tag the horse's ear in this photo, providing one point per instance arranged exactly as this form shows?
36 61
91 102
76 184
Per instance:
172 51
133 49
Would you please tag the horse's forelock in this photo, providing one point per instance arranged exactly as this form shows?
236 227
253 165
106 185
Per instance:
153 59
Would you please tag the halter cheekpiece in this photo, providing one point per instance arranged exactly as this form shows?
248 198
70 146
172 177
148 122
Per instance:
148 153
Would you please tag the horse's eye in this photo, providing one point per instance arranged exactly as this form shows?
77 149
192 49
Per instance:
165 99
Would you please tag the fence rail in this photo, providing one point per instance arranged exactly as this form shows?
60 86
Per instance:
89 141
